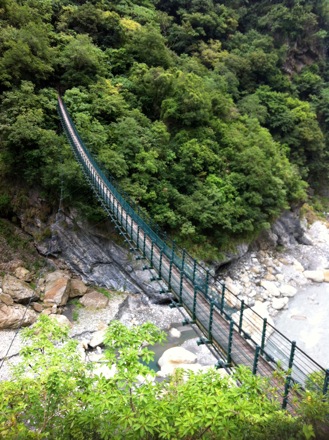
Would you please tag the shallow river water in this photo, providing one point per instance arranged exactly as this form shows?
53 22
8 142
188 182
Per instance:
307 322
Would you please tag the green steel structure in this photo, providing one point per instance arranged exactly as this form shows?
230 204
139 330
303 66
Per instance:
237 333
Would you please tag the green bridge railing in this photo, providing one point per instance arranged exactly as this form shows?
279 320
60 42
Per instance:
222 317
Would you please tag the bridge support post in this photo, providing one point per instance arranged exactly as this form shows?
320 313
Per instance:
194 271
326 382
222 299
288 378
194 304
230 342
286 392
241 316
183 259
210 321
262 345
255 365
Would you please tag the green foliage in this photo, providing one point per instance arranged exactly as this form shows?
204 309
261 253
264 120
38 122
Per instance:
55 395
213 116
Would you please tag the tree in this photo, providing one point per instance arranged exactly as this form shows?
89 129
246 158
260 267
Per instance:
55 394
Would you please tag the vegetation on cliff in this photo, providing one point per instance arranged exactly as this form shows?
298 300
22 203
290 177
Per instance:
212 116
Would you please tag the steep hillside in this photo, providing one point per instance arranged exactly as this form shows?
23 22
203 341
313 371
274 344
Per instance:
212 116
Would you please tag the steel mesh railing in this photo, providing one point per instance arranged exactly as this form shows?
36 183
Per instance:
224 319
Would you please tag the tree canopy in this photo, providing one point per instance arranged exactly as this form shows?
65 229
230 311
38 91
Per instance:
212 116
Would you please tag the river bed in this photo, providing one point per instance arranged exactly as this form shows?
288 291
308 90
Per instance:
307 322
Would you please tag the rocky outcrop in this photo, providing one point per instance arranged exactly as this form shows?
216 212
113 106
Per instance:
96 258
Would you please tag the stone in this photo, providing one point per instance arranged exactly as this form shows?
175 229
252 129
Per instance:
61 319
287 290
169 369
16 316
97 338
326 275
23 274
231 293
54 309
298 266
105 371
176 356
174 333
6 299
94 300
270 287
46 312
269 277
279 303
78 288
19 290
314 275
37 307
252 322
57 288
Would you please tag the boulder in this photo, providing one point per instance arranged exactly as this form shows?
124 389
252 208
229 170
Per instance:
94 300
61 320
104 370
176 356
19 290
279 303
169 369
37 307
6 299
287 290
326 276
252 322
97 338
314 275
174 333
78 288
23 274
16 316
270 287
57 288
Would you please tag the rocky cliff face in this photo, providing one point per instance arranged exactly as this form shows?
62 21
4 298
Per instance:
92 253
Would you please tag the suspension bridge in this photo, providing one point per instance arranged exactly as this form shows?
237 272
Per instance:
238 334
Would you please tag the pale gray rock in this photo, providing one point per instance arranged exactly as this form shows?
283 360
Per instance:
104 370
253 322
287 290
174 333
16 316
19 290
270 287
279 303
97 338
314 275
175 356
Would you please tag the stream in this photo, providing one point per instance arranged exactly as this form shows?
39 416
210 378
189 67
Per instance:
306 321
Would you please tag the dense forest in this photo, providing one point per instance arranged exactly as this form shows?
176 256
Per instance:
212 115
